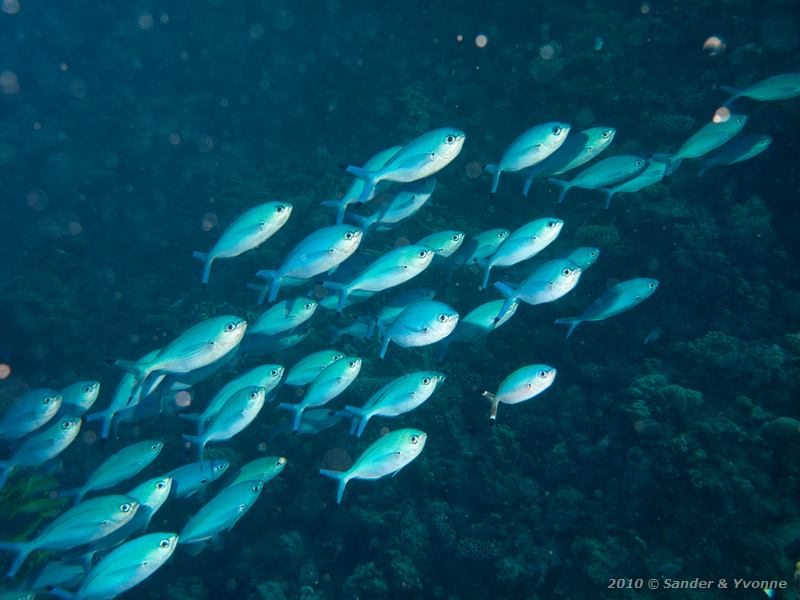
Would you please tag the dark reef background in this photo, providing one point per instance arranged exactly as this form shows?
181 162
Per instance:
132 133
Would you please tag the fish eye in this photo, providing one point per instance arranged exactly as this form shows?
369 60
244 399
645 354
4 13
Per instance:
253 395
155 446
348 235
161 485
542 374
566 271
605 134
414 438
221 467
164 543
426 380
280 208
556 130
639 163
456 237
48 400
278 462
450 138
230 326
423 253
274 372
442 318
125 508
352 364
651 285
88 388
66 425
593 253
551 224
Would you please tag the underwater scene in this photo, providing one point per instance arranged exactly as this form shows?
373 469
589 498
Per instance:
367 300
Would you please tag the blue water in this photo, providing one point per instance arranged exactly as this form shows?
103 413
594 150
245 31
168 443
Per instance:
133 134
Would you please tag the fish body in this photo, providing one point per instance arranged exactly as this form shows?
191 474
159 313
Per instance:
482 320
29 412
78 398
221 513
478 248
777 87
736 151
82 524
603 174
353 194
530 148
397 304
189 479
331 382
420 158
120 466
407 201
523 243
615 300
389 270
443 243
315 420
235 415
655 171
523 384
710 137
386 456
308 369
248 231
61 573
420 324
320 251
283 316
359 329
398 397
266 376
42 446
262 470
547 283
584 256
578 149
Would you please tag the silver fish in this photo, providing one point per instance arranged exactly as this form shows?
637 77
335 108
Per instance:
736 151
29 412
710 137
194 477
777 87
655 171
602 174
547 283
443 243
523 384
222 512
406 202
420 324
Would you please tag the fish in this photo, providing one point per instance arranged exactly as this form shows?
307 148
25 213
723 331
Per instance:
443 243
353 194
360 329
124 568
258 345
315 420
189 479
397 304
235 415
419 324
248 231
221 513
584 256
602 174
406 202
263 288
199 346
82 524
523 384
34 409
308 369
121 465
578 149
477 248
530 148
654 335
710 137
320 251
655 171
78 398
331 301
262 470
422 157
523 243
266 376
397 397
331 382
615 300
546 283
386 456
777 87
391 269
736 151
42 446
60 573
283 316
122 398
478 323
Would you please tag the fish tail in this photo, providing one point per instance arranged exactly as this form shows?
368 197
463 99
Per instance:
734 92
203 257
494 402
487 270
491 169
340 289
340 207
261 289
199 441
22 551
570 322
360 416
76 493
495 178
108 419
527 187
275 283
702 171
368 177
385 345
564 185
672 165
364 223
508 292
341 477
298 413
609 195
62 593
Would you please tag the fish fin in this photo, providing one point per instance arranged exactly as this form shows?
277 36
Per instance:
359 415
340 207
22 550
672 165
702 171
441 351
564 185
203 257
527 187
508 292
570 322
275 283
199 441
369 179
95 416
340 289
491 169
77 493
385 344
734 92
495 179
494 402
340 476
363 222
297 409
609 195
487 271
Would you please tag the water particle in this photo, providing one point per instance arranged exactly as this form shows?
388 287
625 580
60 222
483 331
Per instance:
37 200
5 371
89 437
262 446
644 8
9 84
174 139
721 115
401 241
209 221
459 38
146 22
183 399
481 40
714 45
10 7
75 228
474 169
547 52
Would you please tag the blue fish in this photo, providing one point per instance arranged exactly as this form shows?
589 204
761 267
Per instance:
655 171
308 369
221 513
29 412
419 324
189 479
406 202
546 283
603 174
78 398
523 384
777 87
736 151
